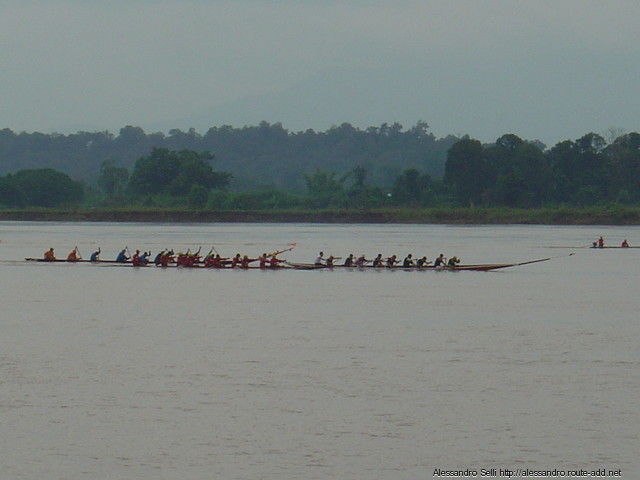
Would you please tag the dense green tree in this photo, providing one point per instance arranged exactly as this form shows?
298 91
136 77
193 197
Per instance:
410 188
112 179
10 195
170 172
42 187
198 196
359 194
624 177
581 170
467 171
323 188
521 173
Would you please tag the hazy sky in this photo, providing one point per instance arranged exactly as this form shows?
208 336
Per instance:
542 69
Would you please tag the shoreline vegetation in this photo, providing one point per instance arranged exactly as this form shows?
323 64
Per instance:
605 215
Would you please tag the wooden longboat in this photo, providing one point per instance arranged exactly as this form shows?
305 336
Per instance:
152 264
80 260
307 266
471 267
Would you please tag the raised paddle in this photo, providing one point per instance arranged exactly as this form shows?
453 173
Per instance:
292 246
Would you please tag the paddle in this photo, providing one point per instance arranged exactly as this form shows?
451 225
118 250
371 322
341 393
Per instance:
293 245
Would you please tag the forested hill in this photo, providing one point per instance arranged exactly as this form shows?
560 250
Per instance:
266 154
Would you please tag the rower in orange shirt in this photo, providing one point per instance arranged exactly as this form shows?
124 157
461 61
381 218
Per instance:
49 256
73 255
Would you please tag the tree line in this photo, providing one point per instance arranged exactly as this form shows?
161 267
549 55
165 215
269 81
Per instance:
513 172
509 172
265 154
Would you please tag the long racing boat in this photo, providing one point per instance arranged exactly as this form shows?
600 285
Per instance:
306 266
469 267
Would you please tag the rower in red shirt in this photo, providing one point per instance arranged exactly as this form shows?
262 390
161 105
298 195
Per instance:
220 262
274 262
166 258
244 263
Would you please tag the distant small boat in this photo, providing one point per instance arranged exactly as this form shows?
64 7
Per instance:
595 247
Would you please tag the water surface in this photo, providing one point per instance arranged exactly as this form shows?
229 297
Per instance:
115 372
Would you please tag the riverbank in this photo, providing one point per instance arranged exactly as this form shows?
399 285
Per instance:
614 215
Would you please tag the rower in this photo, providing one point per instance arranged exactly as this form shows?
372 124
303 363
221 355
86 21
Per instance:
236 260
220 262
144 258
348 262
209 260
274 262
392 260
453 262
361 260
135 259
95 256
624 244
49 256
244 263
158 258
377 262
166 258
440 261
319 261
601 242
422 262
73 255
122 256
408 261
193 258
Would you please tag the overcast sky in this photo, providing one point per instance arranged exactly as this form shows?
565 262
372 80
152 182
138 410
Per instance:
542 69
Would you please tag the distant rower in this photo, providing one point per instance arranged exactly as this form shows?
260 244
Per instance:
49 256
73 255
122 256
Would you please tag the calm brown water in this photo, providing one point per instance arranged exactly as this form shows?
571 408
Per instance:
120 373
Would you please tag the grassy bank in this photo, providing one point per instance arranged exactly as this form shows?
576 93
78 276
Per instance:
612 215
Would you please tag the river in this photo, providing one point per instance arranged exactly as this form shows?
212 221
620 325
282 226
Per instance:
148 373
